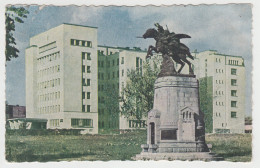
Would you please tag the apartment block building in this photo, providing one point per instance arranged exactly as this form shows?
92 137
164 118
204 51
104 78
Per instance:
113 65
222 90
61 80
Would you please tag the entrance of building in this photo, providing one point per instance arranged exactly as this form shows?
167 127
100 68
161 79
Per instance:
152 133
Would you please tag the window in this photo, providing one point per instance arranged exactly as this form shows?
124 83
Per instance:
88 69
88 82
72 42
88 95
233 114
83 82
77 42
113 74
233 71
88 56
83 68
81 123
117 61
233 82
88 108
118 73
113 62
122 60
233 103
83 108
89 44
122 72
233 93
83 55
83 95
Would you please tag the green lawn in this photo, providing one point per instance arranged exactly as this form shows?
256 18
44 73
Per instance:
108 147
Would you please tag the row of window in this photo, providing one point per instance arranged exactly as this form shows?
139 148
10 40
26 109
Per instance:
219 103
219 92
101 111
49 109
54 122
219 82
111 124
49 84
84 95
113 63
48 58
81 43
49 71
108 86
218 60
84 69
47 47
49 96
233 93
84 83
233 114
219 71
76 123
137 124
84 108
233 103
85 55
232 62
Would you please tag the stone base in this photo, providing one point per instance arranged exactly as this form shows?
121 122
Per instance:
204 156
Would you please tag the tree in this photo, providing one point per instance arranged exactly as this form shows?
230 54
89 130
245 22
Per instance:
12 15
137 96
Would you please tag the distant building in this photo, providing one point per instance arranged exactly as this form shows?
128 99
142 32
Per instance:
222 90
113 65
15 111
61 77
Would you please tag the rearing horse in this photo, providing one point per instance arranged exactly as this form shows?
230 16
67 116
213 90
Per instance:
178 54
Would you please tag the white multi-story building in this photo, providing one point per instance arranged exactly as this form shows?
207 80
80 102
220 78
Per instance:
61 77
114 64
222 90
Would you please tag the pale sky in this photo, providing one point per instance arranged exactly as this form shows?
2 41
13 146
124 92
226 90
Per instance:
225 28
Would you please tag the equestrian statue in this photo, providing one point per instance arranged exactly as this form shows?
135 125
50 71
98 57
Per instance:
169 45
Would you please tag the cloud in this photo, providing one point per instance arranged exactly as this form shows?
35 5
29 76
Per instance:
83 14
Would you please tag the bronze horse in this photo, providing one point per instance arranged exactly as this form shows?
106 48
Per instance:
178 51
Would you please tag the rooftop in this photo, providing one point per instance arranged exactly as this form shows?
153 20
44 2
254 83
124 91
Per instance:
138 49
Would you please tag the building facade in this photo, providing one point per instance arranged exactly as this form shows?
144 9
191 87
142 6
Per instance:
222 90
113 65
61 80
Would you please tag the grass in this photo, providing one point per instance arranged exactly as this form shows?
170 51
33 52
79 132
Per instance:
57 147
232 147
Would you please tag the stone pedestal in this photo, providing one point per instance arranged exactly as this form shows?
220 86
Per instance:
175 124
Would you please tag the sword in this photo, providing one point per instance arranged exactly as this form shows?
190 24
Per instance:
139 37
